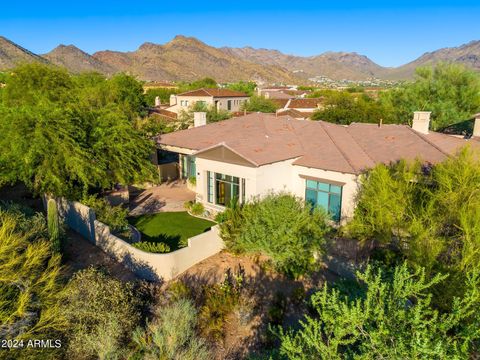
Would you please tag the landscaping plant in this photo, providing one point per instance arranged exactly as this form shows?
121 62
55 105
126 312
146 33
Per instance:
153 247
53 225
392 319
281 226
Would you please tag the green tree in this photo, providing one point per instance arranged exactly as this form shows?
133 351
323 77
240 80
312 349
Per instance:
281 227
247 87
429 216
163 94
450 91
342 107
66 135
260 104
392 318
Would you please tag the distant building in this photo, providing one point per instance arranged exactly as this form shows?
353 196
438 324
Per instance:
221 99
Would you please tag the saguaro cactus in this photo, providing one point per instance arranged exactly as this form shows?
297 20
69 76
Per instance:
53 225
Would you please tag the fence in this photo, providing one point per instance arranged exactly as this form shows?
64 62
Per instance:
149 266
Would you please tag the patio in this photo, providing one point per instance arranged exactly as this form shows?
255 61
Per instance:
163 198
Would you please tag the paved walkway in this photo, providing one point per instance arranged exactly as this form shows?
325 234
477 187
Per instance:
166 197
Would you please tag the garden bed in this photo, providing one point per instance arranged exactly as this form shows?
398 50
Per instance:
171 228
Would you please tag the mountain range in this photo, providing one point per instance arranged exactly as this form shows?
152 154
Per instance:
187 59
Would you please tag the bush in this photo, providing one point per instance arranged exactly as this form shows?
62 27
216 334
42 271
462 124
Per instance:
192 180
220 300
260 104
113 216
392 319
188 205
197 209
178 290
102 313
153 247
280 226
171 335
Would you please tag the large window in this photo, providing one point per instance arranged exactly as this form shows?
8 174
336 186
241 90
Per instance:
325 195
223 189
188 166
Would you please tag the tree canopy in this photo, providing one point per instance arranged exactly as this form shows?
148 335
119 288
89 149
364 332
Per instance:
391 317
260 104
65 134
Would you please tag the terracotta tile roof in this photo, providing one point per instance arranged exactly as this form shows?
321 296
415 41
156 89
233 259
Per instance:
294 113
163 113
265 138
309 103
214 93
280 102
276 95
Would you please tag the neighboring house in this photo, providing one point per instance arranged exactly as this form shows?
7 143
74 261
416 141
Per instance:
301 109
250 156
221 99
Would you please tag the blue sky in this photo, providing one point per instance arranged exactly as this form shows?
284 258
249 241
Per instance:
389 32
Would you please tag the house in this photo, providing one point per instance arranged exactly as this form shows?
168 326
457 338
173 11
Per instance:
301 108
221 99
249 156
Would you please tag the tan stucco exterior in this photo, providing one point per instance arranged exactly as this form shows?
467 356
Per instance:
179 102
276 177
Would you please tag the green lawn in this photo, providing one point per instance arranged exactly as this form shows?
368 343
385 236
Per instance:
172 228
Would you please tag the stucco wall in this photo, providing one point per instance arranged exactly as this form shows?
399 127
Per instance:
280 176
221 102
149 266
155 267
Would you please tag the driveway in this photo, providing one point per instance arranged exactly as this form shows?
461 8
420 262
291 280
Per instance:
166 197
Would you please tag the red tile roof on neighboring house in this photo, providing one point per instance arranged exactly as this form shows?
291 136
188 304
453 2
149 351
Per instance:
309 103
294 113
214 93
276 95
264 139
163 113
280 102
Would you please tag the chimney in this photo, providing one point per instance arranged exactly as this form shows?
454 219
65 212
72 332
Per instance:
173 100
421 121
157 101
199 119
476 126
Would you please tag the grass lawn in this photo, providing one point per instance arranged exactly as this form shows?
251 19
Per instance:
172 228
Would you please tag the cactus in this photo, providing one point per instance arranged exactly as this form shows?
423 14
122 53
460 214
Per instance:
53 225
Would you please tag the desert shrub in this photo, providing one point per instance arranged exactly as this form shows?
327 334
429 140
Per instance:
31 291
171 335
113 216
392 318
153 247
220 300
280 226
102 313
188 205
197 209
178 290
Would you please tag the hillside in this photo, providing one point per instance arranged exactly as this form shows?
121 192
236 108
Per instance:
467 54
186 58
76 60
335 65
12 54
